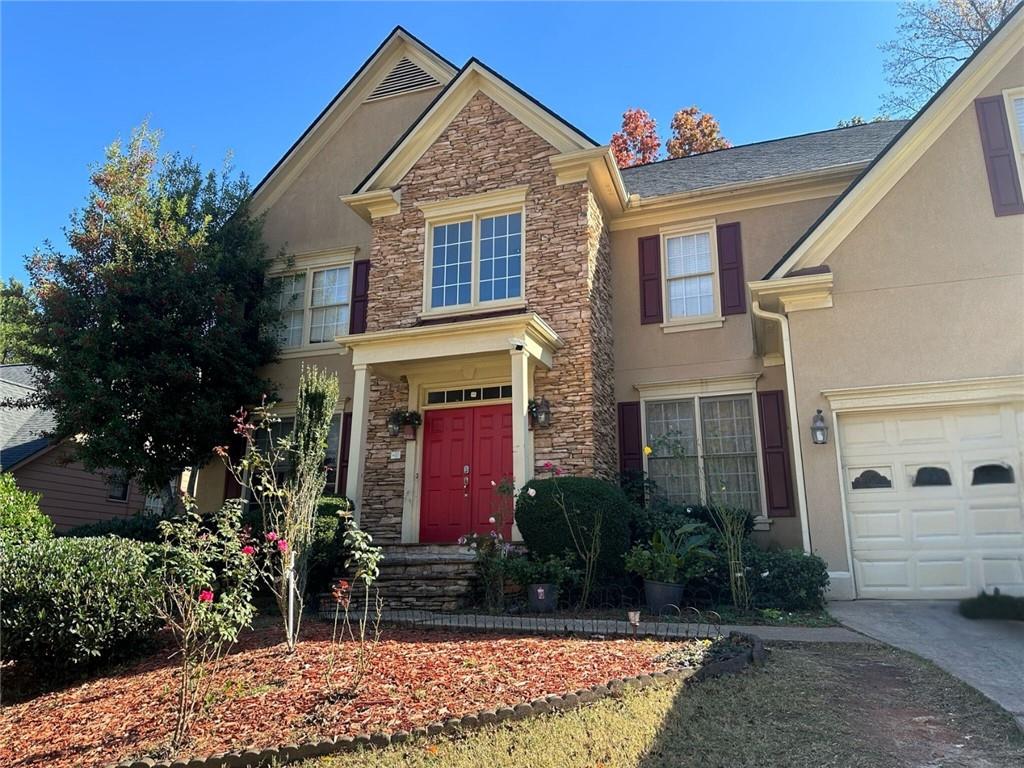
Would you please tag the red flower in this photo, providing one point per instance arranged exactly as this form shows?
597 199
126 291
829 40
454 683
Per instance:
206 596
282 545
248 550
272 536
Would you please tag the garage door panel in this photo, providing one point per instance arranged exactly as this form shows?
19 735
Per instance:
933 534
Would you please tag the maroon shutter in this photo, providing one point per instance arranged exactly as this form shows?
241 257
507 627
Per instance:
650 280
631 455
730 270
236 450
360 296
346 442
1000 162
775 453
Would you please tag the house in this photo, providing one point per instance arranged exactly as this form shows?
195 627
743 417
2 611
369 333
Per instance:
460 249
71 496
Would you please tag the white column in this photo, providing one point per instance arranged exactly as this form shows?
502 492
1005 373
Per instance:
357 443
522 462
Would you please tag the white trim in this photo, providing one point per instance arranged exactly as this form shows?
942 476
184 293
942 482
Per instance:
1016 129
713 319
842 502
737 384
929 394
307 265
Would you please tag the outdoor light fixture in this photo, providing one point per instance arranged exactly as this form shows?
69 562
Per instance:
634 621
819 430
394 428
542 413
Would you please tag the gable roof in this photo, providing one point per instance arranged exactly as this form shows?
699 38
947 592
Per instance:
473 77
905 148
399 47
763 160
22 430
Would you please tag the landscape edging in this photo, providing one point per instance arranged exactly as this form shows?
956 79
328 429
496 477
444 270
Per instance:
252 757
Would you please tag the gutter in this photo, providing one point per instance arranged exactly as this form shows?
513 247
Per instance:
787 358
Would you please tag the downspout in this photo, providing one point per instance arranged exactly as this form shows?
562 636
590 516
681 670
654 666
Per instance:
794 430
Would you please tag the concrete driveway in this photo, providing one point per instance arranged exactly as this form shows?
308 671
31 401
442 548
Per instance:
988 655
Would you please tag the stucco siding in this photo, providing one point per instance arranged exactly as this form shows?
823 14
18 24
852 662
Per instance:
72 496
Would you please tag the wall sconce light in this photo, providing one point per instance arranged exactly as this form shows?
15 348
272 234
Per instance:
542 413
819 430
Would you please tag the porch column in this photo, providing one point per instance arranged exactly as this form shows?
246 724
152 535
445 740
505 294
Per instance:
522 460
357 442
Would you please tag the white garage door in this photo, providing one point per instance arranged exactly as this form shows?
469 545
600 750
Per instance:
934 500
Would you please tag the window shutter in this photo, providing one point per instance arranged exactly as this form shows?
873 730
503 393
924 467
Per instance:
650 280
631 452
771 408
360 296
236 450
730 270
345 443
1000 162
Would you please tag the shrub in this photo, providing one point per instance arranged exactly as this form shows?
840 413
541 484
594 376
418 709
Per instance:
544 528
676 557
20 517
76 602
327 553
661 515
138 528
787 579
994 606
525 570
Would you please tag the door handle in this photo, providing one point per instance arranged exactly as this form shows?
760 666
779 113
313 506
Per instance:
465 481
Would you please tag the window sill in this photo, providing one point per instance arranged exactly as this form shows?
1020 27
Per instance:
315 350
697 324
476 309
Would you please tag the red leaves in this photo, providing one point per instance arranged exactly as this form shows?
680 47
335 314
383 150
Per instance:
263 696
637 143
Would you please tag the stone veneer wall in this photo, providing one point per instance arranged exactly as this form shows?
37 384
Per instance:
567 281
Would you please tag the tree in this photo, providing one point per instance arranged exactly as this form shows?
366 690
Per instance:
16 315
933 39
637 143
694 132
153 325
858 120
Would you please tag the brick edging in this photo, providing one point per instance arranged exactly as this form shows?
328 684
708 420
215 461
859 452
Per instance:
290 753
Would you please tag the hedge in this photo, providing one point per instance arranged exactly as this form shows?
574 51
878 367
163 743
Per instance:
73 602
139 528
20 517
546 532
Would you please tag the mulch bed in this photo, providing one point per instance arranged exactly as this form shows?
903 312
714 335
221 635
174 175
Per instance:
263 697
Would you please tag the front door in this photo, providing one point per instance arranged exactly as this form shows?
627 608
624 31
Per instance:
465 450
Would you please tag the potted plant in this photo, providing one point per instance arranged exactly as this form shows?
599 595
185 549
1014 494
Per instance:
542 579
402 421
668 562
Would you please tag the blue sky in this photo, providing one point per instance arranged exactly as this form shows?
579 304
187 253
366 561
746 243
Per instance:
249 77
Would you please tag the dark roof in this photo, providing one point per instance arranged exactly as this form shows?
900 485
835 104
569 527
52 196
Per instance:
761 161
21 429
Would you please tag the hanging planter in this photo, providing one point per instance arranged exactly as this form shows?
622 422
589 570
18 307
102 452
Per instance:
402 421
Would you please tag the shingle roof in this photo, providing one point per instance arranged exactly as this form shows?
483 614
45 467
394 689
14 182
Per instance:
21 429
763 160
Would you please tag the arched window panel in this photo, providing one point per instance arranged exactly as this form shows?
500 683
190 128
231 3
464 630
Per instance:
871 478
992 474
926 476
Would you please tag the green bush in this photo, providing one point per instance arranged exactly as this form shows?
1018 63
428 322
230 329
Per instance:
661 515
994 606
525 570
326 554
787 579
72 603
138 528
546 532
20 517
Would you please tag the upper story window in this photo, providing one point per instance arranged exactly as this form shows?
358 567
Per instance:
314 305
476 261
117 487
689 276
1015 115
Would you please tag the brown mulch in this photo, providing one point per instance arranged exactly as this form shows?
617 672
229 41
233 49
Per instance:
262 696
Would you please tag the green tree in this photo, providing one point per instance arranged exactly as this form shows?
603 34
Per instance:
16 315
152 327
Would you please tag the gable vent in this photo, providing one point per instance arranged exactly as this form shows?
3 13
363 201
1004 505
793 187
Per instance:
405 77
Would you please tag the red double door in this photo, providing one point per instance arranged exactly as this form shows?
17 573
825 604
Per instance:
464 451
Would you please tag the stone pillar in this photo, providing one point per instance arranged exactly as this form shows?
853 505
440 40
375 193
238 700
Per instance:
357 443
522 453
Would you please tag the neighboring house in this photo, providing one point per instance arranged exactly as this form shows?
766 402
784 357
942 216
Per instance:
459 249
70 495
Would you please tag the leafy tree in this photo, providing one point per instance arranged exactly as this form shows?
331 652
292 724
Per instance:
858 120
933 39
153 325
637 143
694 132
16 315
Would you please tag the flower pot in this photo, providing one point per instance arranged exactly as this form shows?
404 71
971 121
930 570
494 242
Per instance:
543 598
409 431
661 594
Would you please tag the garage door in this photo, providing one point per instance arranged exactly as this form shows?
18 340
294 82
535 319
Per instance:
934 500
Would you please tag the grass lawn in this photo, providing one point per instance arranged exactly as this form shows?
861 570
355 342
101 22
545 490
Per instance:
809 707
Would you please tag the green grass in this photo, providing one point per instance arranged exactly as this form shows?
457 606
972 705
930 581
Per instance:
809 707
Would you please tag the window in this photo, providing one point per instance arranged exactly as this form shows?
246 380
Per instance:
992 474
704 446
689 276
1014 101
332 457
871 478
476 261
931 476
117 487
314 305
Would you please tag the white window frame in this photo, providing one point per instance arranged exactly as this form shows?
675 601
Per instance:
473 208
307 264
733 386
1009 96
119 479
288 412
697 322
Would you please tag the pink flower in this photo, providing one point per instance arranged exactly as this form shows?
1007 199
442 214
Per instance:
206 596
272 536
248 550
282 545
491 520
548 466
